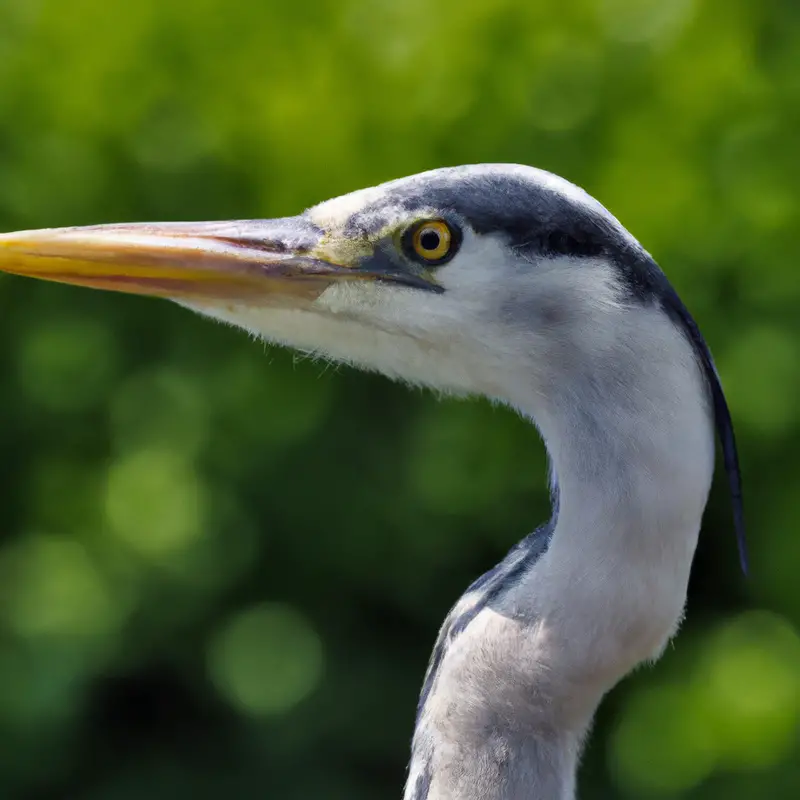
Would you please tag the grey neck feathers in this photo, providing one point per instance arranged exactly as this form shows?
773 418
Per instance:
526 655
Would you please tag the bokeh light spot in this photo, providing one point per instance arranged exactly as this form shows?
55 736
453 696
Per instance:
659 746
154 503
737 707
749 684
266 659
51 587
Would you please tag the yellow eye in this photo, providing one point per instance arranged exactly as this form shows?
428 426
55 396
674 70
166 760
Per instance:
432 240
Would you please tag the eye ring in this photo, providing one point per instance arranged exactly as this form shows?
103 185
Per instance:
432 241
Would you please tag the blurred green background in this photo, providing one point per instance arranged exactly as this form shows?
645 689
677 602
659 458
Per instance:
222 569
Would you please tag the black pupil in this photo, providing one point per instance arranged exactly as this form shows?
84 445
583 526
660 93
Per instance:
429 240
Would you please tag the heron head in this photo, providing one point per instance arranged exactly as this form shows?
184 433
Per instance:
460 278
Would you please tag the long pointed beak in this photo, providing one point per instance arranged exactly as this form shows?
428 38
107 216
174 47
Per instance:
247 261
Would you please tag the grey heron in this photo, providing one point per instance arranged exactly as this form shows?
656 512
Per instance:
509 282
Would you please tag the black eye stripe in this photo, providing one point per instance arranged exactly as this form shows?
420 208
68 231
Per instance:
559 242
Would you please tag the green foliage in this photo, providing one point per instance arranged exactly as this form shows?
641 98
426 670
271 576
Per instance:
221 571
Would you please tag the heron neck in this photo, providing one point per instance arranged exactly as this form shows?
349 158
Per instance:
516 686
632 447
